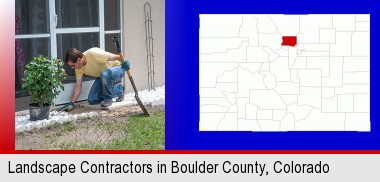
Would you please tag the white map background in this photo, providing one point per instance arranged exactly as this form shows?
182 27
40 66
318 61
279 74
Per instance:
249 82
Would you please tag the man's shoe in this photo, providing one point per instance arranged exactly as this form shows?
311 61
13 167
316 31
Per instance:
106 103
121 96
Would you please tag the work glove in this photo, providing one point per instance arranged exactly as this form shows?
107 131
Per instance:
125 65
67 107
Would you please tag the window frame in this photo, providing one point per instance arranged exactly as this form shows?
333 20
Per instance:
54 31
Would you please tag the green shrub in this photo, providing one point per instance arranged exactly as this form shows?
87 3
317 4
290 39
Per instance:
43 80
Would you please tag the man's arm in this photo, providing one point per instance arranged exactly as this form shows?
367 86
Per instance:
124 63
77 90
113 57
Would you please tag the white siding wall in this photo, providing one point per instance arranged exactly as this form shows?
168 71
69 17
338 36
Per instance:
134 46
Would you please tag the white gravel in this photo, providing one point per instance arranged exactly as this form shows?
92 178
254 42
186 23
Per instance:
153 97
24 124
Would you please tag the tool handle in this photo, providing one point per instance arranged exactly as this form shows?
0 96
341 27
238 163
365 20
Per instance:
116 43
133 84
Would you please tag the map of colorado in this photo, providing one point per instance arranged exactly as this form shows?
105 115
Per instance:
284 72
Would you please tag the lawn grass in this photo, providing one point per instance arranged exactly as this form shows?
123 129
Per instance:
145 132
142 133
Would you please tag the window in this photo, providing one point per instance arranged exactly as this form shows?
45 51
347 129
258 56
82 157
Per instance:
51 27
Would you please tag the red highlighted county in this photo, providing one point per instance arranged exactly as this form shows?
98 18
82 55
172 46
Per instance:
289 41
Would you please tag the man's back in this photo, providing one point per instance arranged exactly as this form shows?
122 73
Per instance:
96 62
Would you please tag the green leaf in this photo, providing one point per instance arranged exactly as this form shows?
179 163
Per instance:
43 79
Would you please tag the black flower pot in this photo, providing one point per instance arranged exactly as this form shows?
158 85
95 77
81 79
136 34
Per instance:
39 113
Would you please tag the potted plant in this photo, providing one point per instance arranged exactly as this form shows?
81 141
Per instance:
43 78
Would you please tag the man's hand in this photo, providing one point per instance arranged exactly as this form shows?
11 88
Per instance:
125 65
67 107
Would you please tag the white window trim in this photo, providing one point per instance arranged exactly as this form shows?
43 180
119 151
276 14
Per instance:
53 25
112 32
54 30
101 24
29 36
77 30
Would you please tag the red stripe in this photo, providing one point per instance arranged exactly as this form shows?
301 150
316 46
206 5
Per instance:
192 152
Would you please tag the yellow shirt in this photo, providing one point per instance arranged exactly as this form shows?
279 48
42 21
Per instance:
96 63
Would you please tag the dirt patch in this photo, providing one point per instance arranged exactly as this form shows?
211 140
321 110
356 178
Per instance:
108 126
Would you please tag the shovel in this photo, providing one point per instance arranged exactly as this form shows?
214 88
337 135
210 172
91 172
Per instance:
116 43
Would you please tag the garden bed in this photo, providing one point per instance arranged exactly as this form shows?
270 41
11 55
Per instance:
149 98
89 128
120 129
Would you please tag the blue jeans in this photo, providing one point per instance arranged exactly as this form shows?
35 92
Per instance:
104 87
